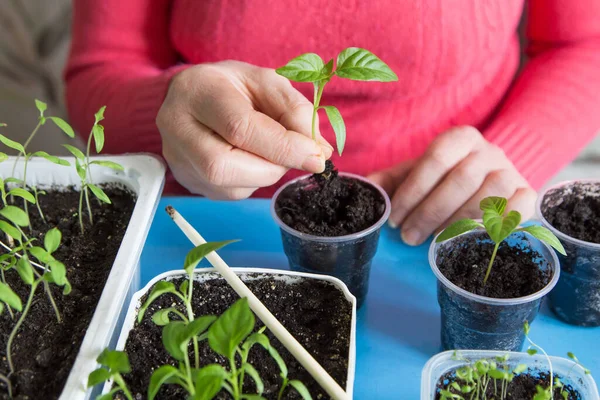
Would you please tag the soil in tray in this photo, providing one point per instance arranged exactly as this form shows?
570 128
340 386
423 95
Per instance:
44 350
515 272
330 205
577 215
315 312
523 387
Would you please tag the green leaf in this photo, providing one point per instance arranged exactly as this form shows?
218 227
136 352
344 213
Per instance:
116 361
253 373
58 272
99 193
15 215
231 328
183 288
75 151
252 397
159 289
99 116
173 338
51 158
256 338
304 68
301 389
160 377
199 325
328 68
10 230
80 171
67 288
98 132
1 308
9 297
41 106
25 270
199 252
41 254
532 352
337 123
63 125
97 377
109 164
3 157
12 144
458 228
545 236
520 369
209 381
161 317
52 240
496 374
362 65
494 204
497 226
279 360
526 328
22 193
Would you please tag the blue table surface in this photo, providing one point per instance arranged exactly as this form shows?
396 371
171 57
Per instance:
398 326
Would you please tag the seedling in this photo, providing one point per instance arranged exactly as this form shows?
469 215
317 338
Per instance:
83 163
498 227
113 364
352 63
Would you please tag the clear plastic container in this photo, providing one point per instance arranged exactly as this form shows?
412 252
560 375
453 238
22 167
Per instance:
570 373
205 274
347 258
145 176
576 297
471 321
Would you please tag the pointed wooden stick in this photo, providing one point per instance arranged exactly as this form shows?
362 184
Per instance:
286 338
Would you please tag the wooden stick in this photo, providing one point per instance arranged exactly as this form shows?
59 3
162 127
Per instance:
290 343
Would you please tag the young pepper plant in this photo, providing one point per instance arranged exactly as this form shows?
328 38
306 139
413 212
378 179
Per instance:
113 364
352 63
83 164
498 226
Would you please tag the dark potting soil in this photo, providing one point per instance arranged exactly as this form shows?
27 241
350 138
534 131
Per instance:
515 273
315 312
575 213
523 387
330 205
44 350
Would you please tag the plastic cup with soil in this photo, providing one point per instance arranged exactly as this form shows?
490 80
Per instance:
442 370
490 316
571 210
330 224
319 311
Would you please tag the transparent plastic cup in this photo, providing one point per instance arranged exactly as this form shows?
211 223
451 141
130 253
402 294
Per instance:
576 297
347 258
471 321
569 373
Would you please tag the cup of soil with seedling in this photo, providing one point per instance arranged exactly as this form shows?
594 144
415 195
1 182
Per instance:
330 222
571 210
492 277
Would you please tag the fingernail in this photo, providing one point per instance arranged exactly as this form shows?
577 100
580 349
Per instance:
392 224
314 164
327 150
411 236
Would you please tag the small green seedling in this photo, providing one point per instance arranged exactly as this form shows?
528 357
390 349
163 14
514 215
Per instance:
555 383
499 227
83 163
352 63
113 364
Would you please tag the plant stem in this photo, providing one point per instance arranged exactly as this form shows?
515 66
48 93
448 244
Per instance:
4 378
13 333
37 203
119 380
190 312
25 146
12 316
87 202
188 377
234 381
318 93
50 297
81 210
489 269
283 386
549 362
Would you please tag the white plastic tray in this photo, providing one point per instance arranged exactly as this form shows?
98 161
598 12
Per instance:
442 363
145 176
204 274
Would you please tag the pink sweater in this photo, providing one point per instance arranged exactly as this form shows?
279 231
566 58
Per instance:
456 61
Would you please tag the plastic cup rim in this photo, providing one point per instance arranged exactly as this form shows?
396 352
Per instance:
333 239
561 235
492 300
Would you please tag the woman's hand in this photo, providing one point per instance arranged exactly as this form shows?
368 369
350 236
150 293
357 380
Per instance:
229 128
447 183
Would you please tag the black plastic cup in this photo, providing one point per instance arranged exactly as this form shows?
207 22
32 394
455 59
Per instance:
347 257
471 321
576 297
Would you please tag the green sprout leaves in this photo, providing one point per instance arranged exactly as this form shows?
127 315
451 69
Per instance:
159 289
352 63
9 297
15 215
161 376
499 225
231 328
63 125
209 381
113 364
199 252
12 144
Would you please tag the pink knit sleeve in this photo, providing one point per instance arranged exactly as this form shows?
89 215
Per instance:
553 110
120 57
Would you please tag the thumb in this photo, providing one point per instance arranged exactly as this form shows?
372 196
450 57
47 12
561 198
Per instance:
389 179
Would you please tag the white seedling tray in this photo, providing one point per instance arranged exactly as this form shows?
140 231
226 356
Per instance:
205 274
145 176
442 363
